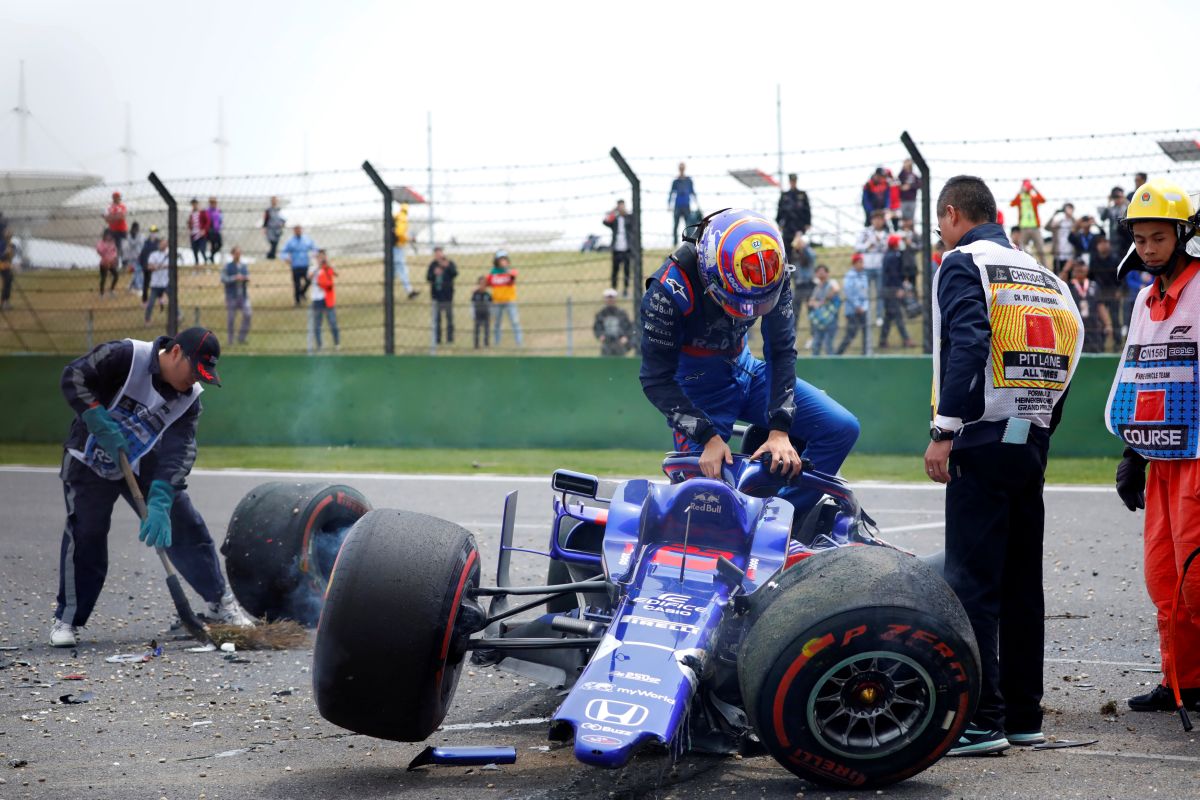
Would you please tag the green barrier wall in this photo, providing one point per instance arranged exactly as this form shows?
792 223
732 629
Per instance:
511 402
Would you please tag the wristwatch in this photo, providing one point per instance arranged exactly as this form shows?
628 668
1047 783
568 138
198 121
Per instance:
940 434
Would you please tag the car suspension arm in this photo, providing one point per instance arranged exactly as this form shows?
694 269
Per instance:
591 584
500 643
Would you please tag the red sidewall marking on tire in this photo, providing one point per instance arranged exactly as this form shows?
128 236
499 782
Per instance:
462 582
308 526
810 649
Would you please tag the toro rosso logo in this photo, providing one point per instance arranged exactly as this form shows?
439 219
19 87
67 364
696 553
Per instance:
614 712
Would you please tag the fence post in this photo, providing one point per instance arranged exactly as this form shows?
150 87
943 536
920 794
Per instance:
91 328
926 241
635 189
570 329
389 278
172 255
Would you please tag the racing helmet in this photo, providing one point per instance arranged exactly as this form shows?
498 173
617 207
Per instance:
742 261
1164 201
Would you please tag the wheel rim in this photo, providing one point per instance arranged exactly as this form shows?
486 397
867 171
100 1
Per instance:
870 705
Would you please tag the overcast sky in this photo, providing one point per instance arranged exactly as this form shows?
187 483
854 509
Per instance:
519 82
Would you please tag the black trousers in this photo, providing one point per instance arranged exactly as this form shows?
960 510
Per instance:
893 312
199 249
855 321
300 283
6 281
443 309
994 525
83 556
482 326
620 258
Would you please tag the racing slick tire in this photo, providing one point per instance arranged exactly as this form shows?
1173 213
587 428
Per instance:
859 688
281 543
384 663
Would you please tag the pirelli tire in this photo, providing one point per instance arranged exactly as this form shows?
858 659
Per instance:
385 663
281 543
860 668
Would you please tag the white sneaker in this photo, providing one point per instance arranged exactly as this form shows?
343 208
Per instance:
62 634
228 611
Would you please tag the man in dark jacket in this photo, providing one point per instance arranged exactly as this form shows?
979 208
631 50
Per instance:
620 222
148 248
141 400
441 274
893 292
612 326
1001 370
793 216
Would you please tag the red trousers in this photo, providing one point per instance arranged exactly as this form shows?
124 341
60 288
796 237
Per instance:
1172 533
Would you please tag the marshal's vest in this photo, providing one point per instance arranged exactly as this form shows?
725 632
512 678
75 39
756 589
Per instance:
1037 335
141 413
1153 403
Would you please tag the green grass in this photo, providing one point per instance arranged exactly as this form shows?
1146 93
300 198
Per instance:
524 462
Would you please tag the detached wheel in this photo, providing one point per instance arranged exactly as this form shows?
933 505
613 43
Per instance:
384 664
861 686
281 545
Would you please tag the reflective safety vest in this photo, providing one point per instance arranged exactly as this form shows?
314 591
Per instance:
141 413
1037 335
1153 405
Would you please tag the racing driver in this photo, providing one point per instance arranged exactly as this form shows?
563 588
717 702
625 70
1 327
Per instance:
697 368
1153 408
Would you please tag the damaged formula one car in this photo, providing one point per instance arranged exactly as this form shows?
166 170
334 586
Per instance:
686 615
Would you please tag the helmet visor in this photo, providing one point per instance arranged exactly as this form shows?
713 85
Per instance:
746 308
760 268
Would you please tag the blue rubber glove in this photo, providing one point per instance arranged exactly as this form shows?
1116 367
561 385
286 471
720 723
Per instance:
106 430
156 527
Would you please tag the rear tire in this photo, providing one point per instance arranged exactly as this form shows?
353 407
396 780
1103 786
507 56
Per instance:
384 663
281 544
860 668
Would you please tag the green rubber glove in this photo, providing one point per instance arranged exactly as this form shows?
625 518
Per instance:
156 527
106 430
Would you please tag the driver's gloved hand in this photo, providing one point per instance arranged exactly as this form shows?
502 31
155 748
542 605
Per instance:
1131 480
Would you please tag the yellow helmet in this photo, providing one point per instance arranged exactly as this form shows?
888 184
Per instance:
1160 199
1165 201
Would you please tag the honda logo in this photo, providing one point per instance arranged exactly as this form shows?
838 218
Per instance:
615 712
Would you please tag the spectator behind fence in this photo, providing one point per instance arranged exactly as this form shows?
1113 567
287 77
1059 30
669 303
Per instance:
876 195
441 274
621 224
794 217
216 223
1139 178
481 310
131 250
804 259
1086 294
612 326
160 278
872 244
893 291
679 201
1028 219
823 305
109 261
149 247
503 282
1135 281
855 293
1113 213
236 278
6 271
272 225
909 181
910 249
399 262
1102 270
197 224
296 254
1061 225
116 218
321 276
1083 238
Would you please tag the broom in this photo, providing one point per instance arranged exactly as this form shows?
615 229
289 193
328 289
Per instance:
263 636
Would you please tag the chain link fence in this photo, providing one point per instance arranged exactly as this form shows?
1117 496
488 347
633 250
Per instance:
548 220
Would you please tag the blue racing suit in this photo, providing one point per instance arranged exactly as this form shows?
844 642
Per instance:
698 371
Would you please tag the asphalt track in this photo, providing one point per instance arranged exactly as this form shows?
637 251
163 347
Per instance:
190 725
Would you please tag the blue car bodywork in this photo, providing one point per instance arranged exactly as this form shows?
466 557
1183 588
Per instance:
661 574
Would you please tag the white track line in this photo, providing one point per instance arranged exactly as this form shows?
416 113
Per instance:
492 478
921 527
504 723
1116 754
1140 664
